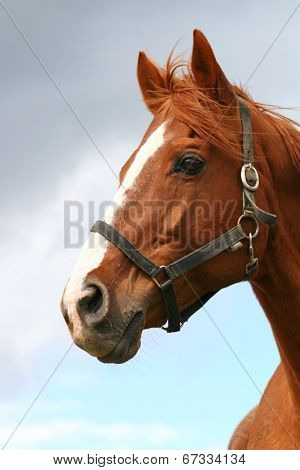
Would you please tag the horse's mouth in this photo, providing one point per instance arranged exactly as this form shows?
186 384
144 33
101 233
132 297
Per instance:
129 344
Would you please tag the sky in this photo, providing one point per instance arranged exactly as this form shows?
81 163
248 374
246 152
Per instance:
182 391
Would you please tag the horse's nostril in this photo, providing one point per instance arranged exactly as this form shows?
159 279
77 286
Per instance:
91 302
96 299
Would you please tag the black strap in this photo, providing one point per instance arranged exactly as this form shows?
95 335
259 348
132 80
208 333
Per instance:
189 311
173 314
206 252
179 267
247 131
261 215
108 232
173 270
248 156
126 247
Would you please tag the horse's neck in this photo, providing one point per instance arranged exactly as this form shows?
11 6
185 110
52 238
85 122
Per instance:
278 286
286 182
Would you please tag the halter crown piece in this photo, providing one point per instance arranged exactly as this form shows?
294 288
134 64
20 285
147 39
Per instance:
163 276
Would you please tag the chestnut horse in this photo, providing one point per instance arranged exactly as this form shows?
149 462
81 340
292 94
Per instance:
193 151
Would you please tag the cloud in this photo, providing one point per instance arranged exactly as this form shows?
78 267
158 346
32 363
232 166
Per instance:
37 266
78 433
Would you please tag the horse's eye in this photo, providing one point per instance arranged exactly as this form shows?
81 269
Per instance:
189 163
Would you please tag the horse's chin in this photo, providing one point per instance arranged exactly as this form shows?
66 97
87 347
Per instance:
129 343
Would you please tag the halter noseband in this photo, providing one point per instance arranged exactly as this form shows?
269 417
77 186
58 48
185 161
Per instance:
163 276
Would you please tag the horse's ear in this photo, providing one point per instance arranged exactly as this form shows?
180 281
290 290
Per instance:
206 70
150 78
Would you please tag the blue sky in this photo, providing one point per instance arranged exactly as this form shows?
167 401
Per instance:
182 391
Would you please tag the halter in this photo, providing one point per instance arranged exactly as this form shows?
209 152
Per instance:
163 276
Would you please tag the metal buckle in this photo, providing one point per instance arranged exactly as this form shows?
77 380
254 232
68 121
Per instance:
164 271
245 180
252 266
248 215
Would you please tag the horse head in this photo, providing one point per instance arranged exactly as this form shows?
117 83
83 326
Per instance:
179 191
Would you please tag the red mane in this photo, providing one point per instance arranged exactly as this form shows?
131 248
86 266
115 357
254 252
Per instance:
180 97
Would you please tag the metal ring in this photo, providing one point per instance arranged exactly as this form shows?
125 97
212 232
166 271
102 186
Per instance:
246 185
251 217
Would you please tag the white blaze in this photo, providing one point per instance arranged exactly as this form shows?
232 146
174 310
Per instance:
95 247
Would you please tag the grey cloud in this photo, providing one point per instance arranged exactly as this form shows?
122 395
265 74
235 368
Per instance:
91 50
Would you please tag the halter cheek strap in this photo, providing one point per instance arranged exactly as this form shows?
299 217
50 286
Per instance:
249 175
250 182
163 276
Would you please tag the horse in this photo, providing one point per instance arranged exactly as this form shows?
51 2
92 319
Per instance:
163 249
